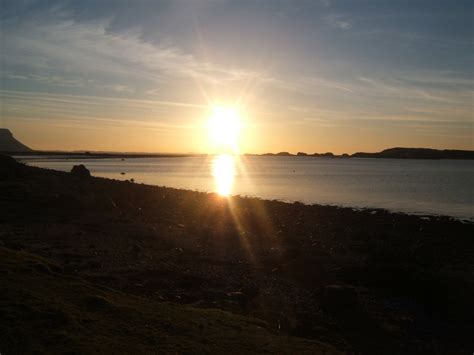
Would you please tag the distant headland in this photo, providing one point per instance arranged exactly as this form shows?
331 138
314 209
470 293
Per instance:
393 153
10 145
418 153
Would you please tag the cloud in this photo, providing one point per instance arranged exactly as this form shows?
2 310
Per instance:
443 86
388 99
119 88
308 85
380 85
68 82
66 53
169 120
78 101
338 21
92 59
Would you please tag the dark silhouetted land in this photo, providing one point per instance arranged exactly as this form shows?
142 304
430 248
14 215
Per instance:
8 143
393 153
418 153
11 146
96 265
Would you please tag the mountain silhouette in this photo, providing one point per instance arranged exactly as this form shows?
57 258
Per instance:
8 143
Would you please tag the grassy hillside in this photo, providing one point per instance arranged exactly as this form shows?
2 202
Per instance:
45 311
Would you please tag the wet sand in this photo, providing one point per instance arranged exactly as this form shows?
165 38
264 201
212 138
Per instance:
160 269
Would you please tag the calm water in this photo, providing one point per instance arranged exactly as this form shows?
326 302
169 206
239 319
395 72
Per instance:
416 186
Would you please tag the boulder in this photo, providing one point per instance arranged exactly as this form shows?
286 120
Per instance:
80 171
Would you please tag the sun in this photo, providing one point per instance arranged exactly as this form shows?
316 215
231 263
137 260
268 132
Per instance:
224 127
223 170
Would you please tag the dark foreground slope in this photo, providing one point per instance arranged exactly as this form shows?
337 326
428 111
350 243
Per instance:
94 265
59 303
47 310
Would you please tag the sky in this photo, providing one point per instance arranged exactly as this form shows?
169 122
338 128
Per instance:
312 76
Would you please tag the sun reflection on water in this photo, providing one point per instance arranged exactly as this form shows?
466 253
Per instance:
223 170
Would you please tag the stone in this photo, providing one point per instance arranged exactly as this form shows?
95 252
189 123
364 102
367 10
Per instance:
80 171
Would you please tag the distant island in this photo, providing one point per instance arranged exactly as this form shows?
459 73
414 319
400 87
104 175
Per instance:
10 145
418 153
392 153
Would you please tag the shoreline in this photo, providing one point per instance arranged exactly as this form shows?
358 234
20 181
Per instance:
459 216
390 153
322 277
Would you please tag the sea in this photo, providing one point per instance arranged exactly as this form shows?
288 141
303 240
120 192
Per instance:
424 187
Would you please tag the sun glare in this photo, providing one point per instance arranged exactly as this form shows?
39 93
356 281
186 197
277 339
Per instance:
223 170
224 127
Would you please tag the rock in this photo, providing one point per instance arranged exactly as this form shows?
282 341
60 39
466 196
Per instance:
339 298
80 171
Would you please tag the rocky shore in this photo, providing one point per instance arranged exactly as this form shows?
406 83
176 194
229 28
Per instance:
96 265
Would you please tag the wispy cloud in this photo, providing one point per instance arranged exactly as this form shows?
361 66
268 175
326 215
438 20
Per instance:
307 85
82 110
71 54
119 88
81 100
69 82
339 21
445 87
